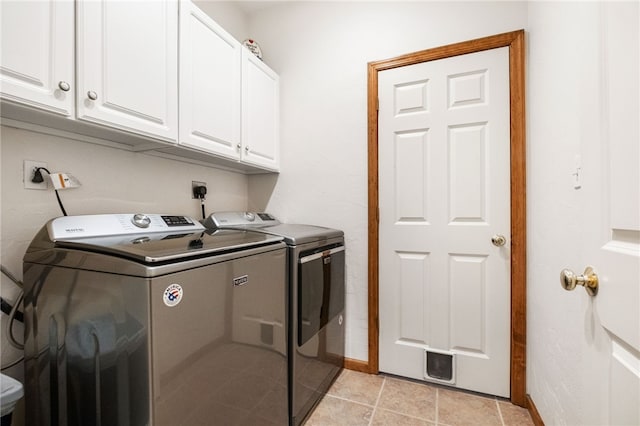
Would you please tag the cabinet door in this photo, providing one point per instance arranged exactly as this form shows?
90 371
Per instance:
128 64
36 65
260 113
209 84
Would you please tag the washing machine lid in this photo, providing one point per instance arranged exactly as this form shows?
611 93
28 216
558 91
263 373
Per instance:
163 239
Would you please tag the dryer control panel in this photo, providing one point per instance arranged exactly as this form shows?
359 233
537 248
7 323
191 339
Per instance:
222 220
101 225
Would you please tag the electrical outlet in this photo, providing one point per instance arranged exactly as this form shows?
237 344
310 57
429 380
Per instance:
194 184
29 169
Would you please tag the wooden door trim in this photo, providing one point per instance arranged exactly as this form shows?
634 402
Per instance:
515 41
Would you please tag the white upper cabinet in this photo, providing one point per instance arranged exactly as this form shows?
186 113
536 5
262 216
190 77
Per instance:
127 65
260 113
209 84
151 75
36 59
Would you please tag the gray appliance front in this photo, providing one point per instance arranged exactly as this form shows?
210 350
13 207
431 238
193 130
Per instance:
107 349
221 352
318 303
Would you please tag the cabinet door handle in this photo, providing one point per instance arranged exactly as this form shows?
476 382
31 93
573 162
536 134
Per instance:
246 148
239 147
92 95
64 86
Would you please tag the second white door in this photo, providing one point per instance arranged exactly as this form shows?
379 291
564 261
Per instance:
444 184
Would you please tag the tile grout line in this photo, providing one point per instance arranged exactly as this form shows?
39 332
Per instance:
404 414
375 407
437 419
342 398
499 412
411 416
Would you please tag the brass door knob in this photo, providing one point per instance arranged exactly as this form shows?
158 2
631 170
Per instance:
498 240
589 280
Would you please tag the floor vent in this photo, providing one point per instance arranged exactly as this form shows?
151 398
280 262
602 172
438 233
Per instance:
440 366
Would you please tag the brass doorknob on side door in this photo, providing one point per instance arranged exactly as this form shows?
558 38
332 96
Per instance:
589 280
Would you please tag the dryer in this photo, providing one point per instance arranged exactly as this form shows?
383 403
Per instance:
150 320
316 286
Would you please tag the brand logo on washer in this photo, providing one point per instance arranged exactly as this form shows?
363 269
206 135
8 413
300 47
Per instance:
172 295
241 280
74 229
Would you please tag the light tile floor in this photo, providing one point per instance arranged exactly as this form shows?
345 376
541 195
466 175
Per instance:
369 400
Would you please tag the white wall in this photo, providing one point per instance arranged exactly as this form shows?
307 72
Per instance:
557 55
228 15
321 51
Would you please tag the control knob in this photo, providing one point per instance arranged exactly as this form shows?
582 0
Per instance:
249 216
141 220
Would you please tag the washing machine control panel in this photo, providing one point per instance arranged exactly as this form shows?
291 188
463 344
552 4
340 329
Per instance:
141 220
72 227
178 221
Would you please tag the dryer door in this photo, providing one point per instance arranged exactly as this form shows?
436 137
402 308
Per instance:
319 317
320 290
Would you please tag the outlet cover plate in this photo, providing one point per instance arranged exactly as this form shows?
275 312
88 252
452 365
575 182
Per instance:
28 170
193 185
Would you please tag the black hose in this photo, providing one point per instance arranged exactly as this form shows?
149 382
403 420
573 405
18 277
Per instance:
7 307
64 212
38 178
14 314
11 276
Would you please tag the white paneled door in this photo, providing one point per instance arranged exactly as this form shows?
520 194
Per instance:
444 227
611 183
